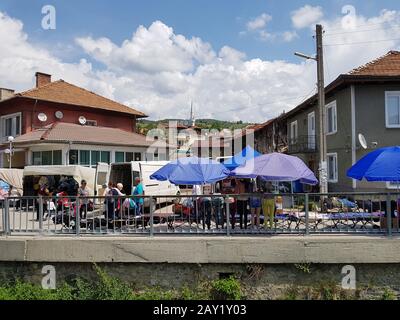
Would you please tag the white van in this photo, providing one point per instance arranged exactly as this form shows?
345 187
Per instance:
127 172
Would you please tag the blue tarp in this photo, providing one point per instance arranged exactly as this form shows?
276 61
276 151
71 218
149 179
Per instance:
379 165
191 171
241 157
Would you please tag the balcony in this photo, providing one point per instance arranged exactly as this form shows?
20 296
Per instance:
303 144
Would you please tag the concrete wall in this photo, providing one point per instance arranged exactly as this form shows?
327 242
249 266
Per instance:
277 249
268 268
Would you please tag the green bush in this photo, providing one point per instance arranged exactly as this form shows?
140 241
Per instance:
388 294
226 289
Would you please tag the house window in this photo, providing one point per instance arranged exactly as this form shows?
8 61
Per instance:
331 118
84 157
119 156
293 131
128 156
11 125
47 158
73 157
332 167
88 158
95 158
138 156
392 109
105 156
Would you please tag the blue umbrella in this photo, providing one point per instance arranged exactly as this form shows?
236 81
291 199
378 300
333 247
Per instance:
379 165
191 171
276 167
240 158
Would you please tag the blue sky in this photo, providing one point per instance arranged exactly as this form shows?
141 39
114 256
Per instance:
75 50
217 22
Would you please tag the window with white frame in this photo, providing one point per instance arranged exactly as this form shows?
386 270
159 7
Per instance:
392 109
332 165
89 158
10 125
331 118
293 131
44 158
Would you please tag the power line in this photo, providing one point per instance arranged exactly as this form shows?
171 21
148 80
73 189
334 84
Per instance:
361 25
359 31
361 42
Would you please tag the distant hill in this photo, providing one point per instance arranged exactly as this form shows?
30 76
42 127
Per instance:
144 125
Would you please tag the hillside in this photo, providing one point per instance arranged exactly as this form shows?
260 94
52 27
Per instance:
145 125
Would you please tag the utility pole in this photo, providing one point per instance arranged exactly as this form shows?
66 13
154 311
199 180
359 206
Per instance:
323 178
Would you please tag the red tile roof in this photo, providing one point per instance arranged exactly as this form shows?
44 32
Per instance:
64 92
387 65
62 132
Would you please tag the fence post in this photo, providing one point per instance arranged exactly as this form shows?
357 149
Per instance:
40 214
77 217
389 215
306 208
6 211
228 232
152 201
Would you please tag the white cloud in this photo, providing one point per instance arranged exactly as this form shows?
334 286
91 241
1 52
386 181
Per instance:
289 36
160 72
259 22
306 16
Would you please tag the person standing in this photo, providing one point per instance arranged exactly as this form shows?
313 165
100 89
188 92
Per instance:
268 206
255 207
83 191
138 190
242 202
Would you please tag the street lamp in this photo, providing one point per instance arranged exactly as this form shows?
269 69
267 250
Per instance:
319 58
10 150
302 55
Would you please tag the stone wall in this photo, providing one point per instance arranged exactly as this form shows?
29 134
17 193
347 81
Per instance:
259 281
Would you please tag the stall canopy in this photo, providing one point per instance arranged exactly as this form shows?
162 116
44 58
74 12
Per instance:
276 167
379 165
191 171
77 172
13 177
240 158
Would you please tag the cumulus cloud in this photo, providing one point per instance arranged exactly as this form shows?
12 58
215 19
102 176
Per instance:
289 36
159 71
306 16
259 22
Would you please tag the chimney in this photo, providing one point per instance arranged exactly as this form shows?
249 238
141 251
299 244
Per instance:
6 93
42 79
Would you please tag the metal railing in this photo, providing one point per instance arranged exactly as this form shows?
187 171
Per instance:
303 144
245 214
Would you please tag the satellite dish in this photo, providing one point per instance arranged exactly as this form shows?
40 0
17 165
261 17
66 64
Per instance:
82 120
362 141
42 117
59 115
